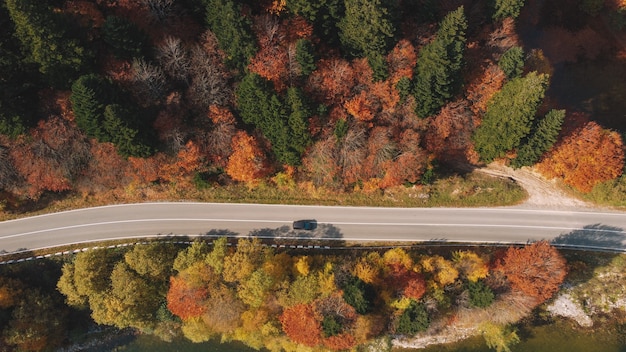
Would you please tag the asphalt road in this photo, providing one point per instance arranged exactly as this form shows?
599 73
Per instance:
492 225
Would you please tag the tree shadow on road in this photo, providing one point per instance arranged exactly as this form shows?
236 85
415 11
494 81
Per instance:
598 237
595 236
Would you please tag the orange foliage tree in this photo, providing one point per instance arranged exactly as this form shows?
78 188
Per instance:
481 90
188 160
401 61
536 270
588 156
247 162
301 324
360 107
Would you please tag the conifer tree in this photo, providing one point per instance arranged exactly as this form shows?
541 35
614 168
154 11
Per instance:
305 56
509 116
512 62
90 94
233 32
42 33
437 76
541 141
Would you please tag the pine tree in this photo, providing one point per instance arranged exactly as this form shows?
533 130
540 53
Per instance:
541 141
233 32
509 116
90 94
284 124
42 33
366 28
437 76
126 139
124 37
512 62
305 56
506 8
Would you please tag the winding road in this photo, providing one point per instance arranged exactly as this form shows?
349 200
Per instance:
594 229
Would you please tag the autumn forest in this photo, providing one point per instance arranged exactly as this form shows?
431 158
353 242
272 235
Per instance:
111 100
102 97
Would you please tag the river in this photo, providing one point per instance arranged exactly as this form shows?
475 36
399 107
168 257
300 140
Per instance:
559 336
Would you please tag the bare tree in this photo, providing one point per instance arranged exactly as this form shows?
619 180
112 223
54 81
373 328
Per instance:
174 59
353 153
160 9
209 82
149 84
9 178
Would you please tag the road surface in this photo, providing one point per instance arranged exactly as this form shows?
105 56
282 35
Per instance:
490 225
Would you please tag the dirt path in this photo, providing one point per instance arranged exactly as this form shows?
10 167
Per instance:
542 193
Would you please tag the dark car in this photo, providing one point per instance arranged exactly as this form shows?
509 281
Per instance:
305 225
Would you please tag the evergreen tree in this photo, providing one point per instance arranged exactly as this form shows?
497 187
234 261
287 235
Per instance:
126 40
284 124
541 140
512 62
509 116
437 76
44 36
17 91
305 56
233 32
299 113
90 95
324 14
366 29
506 8
480 294
126 139
413 319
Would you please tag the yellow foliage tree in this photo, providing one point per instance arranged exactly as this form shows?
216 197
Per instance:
302 265
442 271
398 256
470 265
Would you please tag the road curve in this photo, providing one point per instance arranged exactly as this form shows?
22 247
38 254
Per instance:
492 225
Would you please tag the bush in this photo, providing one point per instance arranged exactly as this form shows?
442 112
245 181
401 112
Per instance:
480 294
413 319
359 295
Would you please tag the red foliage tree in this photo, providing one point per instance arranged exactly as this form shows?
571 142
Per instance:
409 165
184 300
406 282
449 133
588 156
52 157
188 160
332 82
107 169
536 270
301 324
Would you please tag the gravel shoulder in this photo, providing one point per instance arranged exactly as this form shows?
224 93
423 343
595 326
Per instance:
542 193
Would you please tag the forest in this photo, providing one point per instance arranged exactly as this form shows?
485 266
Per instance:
111 99
105 98
277 299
